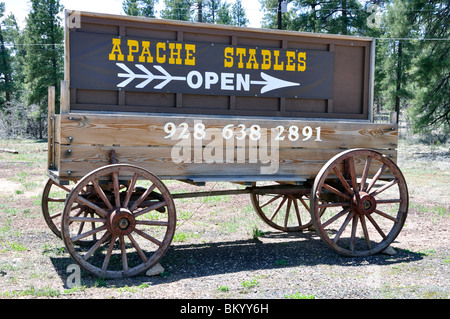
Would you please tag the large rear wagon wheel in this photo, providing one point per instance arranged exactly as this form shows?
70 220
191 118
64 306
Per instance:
364 212
135 220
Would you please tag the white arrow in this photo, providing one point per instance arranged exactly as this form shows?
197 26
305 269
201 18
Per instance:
272 83
148 76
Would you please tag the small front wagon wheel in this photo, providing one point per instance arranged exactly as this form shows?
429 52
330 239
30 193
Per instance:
359 202
52 204
284 210
135 220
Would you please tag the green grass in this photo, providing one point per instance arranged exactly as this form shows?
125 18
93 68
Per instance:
223 289
297 295
41 292
184 236
249 283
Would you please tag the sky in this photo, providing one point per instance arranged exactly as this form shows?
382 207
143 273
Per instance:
20 8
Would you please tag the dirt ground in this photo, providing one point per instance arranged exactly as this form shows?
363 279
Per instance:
215 254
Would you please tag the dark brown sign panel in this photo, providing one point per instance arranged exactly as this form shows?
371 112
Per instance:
108 62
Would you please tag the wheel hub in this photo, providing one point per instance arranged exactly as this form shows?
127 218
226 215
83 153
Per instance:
363 203
121 222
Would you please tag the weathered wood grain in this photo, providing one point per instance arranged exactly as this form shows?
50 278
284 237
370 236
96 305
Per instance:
90 129
164 161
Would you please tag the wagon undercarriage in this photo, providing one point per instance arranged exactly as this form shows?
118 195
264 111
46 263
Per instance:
120 219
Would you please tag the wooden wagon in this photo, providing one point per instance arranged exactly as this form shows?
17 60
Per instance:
287 114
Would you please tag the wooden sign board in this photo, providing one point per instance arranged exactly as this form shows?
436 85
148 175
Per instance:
133 64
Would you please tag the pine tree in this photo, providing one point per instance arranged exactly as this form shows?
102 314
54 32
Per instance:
144 8
177 10
431 74
6 81
211 10
224 14
238 14
130 7
44 58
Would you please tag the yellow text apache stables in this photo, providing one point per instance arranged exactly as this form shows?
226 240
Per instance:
162 52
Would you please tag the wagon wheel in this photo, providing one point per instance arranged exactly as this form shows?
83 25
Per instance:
52 203
135 221
283 210
364 211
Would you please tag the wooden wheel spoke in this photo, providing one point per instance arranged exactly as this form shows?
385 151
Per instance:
337 192
353 234
376 177
384 187
109 253
343 204
148 237
56 215
75 207
270 201
395 220
336 217
365 173
96 208
152 223
278 208
389 201
351 167
374 223
88 233
138 248
81 211
343 226
102 195
297 212
288 211
130 189
96 245
142 197
87 219
123 252
366 233
81 226
305 205
343 181
150 208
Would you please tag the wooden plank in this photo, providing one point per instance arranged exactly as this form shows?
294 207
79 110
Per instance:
214 27
51 128
163 161
124 130
65 97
